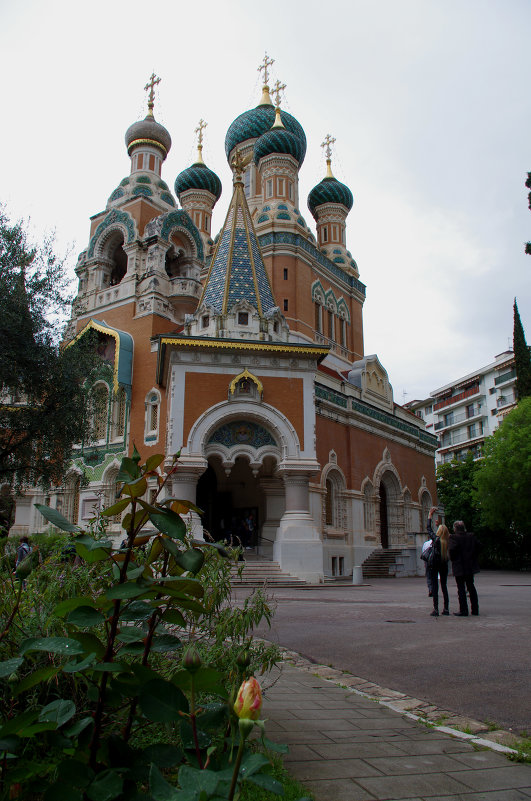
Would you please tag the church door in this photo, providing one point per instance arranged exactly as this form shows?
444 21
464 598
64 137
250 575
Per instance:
384 530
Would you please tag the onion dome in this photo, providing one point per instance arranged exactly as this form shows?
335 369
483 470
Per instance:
148 132
330 190
279 140
257 121
198 176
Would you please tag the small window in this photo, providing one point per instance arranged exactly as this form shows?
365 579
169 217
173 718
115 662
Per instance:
140 161
207 223
290 190
330 324
285 273
243 318
152 417
334 233
269 188
325 234
285 304
280 186
275 328
205 321
152 163
318 319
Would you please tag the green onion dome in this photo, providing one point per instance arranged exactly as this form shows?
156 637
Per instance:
279 140
330 190
255 122
198 176
148 132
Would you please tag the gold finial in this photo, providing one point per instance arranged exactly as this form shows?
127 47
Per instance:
199 131
266 100
153 81
328 140
238 165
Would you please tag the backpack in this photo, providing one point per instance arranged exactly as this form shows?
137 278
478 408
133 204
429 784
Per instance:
428 553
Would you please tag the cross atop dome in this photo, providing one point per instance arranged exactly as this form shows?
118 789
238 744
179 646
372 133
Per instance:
266 100
277 89
326 145
199 131
153 81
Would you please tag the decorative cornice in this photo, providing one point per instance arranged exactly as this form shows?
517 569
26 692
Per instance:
149 142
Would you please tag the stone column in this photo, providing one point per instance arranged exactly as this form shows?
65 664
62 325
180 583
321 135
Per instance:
273 493
298 547
184 488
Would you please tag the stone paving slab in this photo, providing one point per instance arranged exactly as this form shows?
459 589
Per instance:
348 747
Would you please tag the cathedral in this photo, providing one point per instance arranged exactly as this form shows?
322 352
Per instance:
242 352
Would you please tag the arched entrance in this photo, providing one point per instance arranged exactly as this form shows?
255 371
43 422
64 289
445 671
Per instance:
384 524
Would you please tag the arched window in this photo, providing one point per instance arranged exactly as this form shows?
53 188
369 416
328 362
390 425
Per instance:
334 515
151 432
100 411
73 485
118 257
111 489
119 410
407 511
329 503
368 508
425 503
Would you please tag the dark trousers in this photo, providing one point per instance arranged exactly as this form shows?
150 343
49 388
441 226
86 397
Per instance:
465 583
442 573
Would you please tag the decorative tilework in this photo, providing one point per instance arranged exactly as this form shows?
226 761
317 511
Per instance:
167 198
255 122
124 182
118 193
262 218
339 260
280 141
283 216
142 190
176 219
297 241
198 176
143 179
282 207
163 185
114 217
242 432
330 190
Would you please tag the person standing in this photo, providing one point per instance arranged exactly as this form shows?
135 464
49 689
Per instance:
439 567
464 548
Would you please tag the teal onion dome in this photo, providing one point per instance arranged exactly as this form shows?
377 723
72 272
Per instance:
330 190
279 140
148 131
257 121
198 176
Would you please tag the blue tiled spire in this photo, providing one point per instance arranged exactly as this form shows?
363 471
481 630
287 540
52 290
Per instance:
237 271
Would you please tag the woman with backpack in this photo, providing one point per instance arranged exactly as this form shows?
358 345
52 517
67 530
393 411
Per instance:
438 564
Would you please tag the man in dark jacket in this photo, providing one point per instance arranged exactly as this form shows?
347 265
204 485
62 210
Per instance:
464 548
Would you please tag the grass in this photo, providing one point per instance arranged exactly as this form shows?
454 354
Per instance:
293 790
523 751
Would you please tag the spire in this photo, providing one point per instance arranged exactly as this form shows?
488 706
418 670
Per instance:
277 89
266 100
328 140
199 131
153 81
237 272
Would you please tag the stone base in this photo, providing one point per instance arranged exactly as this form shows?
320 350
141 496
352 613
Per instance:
298 548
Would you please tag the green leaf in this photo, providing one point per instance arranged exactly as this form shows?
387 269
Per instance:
89 643
188 585
9 666
130 589
110 667
128 470
56 518
77 667
17 724
85 616
169 523
198 780
105 787
136 488
58 712
175 617
92 544
72 603
187 505
279 748
59 791
183 601
213 716
187 737
91 556
42 674
163 755
220 548
205 680
161 701
153 462
191 560
53 645
136 610
77 727
267 783
10 744
163 643
159 787
252 763
116 508
130 634
75 773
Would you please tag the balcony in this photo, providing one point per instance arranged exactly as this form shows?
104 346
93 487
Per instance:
468 393
457 419
501 379
457 437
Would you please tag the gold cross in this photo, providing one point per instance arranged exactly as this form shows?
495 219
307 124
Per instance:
329 140
277 89
267 63
199 131
153 81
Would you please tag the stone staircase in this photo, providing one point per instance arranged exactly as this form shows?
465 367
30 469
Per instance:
259 571
381 563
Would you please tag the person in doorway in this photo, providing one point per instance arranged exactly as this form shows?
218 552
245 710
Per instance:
439 568
464 548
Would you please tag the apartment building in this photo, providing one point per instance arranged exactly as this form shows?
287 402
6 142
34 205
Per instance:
463 413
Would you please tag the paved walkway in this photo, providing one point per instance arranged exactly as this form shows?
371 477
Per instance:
345 746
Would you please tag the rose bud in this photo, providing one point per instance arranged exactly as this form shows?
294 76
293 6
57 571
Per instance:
191 659
243 659
249 700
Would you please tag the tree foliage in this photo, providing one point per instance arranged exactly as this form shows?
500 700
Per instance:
528 184
455 490
42 397
503 480
522 357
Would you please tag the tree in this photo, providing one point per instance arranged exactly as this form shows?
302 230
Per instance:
503 481
455 490
42 395
528 184
522 357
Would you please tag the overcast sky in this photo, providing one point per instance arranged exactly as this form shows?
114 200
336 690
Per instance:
429 102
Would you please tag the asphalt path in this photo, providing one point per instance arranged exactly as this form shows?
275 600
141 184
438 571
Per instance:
479 667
